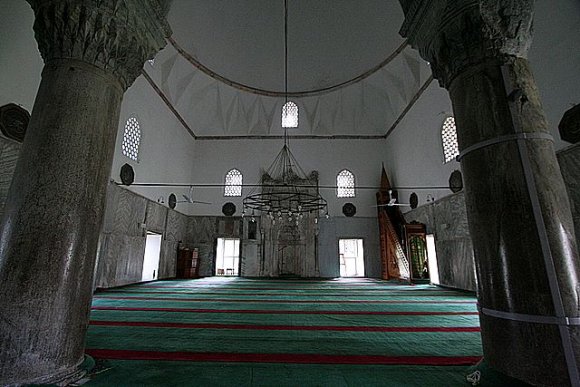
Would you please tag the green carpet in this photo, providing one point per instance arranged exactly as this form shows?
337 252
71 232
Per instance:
249 332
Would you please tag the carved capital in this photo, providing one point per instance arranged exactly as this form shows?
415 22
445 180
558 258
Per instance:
453 35
115 35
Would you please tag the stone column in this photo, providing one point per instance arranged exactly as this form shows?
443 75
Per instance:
93 51
518 209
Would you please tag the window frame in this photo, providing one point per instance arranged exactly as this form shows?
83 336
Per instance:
287 105
349 174
445 145
124 143
232 185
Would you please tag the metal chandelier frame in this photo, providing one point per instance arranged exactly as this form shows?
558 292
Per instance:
286 196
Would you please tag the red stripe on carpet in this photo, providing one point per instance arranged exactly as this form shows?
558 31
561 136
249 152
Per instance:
282 358
258 311
326 294
150 324
201 286
283 301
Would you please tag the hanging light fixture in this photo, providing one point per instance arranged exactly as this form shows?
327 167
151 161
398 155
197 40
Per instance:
286 193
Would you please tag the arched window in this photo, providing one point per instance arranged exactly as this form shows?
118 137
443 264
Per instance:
131 139
345 184
449 139
290 115
233 185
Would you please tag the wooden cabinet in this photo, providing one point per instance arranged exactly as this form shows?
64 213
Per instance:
188 263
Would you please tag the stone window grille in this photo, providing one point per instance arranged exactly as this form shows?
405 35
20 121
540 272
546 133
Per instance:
345 184
449 138
290 115
233 185
131 139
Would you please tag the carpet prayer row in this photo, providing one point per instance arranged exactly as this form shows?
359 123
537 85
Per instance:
249 332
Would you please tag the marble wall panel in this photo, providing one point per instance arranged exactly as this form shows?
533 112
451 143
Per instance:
156 217
125 212
458 269
9 151
250 265
446 219
122 241
569 160
203 233
176 227
120 260
168 259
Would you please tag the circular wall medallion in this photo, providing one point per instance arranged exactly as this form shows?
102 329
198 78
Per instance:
456 181
229 209
127 174
14 121
413 200
570 125
349 209
172 201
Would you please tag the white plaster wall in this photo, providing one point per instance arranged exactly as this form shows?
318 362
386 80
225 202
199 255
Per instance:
214 158
20 61
414 153
555 58
166 151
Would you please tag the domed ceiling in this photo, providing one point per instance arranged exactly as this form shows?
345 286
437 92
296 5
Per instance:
349 71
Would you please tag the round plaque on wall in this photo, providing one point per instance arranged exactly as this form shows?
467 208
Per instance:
349 209
228 209
570 125
14 121
414 200
172 201
127 174
456 181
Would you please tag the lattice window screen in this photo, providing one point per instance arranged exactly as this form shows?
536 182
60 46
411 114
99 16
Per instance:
233 184
345 184
290 115
131 139
449 138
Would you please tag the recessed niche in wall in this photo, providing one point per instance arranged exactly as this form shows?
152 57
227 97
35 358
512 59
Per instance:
252 230
413 200
14 121
569 126
172 201
127 174
228 209
456 181
349 209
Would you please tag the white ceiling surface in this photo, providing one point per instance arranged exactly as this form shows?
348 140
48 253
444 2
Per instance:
329 42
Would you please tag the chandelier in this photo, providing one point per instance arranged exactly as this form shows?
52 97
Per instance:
285 192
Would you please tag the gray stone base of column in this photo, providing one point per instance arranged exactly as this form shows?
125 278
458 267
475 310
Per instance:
500 337
61 378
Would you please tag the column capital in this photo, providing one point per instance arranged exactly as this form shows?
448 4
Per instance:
115 35
453 35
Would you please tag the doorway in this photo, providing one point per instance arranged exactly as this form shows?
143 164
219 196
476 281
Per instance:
432 260
351 257
227 258
151 257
